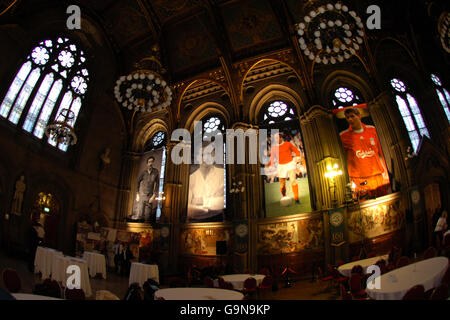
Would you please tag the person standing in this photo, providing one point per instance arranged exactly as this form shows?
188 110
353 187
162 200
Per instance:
365 160
36 237
147 188
127 256
283 151
441 227
117 249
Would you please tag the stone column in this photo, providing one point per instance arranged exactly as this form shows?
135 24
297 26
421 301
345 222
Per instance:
176 191
322 145
247 205
128 174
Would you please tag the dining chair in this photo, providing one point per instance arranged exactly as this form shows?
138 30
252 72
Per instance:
440 293
74 294
250 286
371 255
358 269
355 286
222 284
340 263
446 278
53 289
248 271
266 283
264 271
431 252
229 286
402 261
345 295
11 280
415 293
325 278
208 281
355 258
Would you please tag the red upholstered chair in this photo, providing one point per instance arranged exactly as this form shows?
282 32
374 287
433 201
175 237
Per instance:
325 278
209 282
356 289
54 289
415 293
431 252
74 294
229 286
402 261
340 263
440 293
371 255
337 277
345 294
266 283
11 280
250 286
222 283
248 271
355 258
358 269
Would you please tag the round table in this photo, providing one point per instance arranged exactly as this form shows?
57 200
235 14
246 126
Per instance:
60 265
198 294
141 272
237 280
395 284
27 296
96 263
43 261
346 269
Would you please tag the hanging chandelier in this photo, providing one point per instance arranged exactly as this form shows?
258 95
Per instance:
145 89
61 131
330 33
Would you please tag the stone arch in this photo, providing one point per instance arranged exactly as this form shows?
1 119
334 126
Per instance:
273 92
203 110
147 131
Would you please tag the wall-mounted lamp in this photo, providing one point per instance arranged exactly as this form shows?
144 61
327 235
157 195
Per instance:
331 174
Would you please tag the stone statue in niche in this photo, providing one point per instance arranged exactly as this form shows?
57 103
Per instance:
18 196
105 159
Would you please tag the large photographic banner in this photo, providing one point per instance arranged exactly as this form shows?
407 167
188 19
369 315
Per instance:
147 187
365 160
206 202
286 186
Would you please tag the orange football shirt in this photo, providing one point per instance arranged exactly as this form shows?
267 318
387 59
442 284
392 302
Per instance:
284 151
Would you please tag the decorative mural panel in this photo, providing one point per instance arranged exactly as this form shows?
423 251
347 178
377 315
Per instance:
290 236
250 23
190 43
202 241
378 220
165 9
127 21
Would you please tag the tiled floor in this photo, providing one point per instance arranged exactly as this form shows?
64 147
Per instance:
300 290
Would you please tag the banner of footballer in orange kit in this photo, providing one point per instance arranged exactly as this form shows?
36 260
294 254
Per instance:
366 165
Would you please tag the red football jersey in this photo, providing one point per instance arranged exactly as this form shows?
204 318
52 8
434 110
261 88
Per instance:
363 152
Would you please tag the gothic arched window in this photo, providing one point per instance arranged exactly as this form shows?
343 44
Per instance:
345 97
444 96
52 78
410 111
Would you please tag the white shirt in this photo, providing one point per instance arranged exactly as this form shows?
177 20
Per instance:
206 192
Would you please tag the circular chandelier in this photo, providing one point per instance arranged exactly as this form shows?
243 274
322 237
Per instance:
444 31
330 33
61 131
143 90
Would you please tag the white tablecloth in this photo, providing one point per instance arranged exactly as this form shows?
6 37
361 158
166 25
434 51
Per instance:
198 294
60 265
396 283
142 272
43 261
96 263
238 279
346 269
26 296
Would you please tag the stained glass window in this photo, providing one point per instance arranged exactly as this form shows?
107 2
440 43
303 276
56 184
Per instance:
443 95
54 74
410 111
